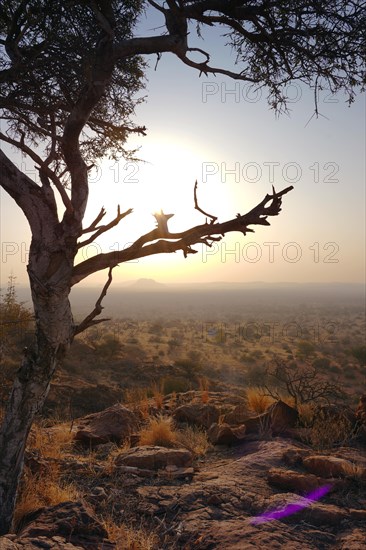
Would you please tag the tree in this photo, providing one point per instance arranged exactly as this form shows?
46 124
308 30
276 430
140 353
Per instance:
69 75
303 384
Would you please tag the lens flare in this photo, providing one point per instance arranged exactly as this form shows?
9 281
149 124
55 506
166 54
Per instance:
293 507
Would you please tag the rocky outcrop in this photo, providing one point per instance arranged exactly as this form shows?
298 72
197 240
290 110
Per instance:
278 418
113 424
328 466
197 414
223 434
66 526
290 480
154 458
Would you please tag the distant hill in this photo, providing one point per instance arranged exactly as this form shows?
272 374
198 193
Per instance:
146 284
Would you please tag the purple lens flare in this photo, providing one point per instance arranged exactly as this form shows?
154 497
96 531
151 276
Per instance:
294 507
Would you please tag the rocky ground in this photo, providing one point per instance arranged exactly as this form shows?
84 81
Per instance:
260 485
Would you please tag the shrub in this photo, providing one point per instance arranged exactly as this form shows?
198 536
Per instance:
194 439
257 399
160 431
327 432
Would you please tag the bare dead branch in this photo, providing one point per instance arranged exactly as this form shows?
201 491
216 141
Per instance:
213 218
103 228
93 226
90 320
172 242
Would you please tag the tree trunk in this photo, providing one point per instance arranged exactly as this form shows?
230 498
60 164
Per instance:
54 330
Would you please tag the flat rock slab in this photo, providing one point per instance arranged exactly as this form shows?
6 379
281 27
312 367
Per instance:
220 507
154 458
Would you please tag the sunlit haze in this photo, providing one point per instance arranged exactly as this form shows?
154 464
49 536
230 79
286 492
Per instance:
224 135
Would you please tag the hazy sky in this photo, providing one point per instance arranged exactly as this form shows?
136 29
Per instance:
225 135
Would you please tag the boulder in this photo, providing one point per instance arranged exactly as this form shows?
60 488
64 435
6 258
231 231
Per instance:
113 424
223 434
294 481
72 521
154 458
237 416
198 414
282 416
278 418
294 456
328 466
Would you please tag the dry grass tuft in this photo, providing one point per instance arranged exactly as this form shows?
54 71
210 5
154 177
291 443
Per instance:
158 394
127 538
160 431
204 385
194 439
137 399
51 442
38 490
257 401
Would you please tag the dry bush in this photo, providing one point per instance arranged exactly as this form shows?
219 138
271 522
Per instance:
38 490
327 432
257 399
194 439
128 538
160 431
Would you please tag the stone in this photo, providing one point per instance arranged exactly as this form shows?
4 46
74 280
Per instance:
154 458
72 521
223 434
352 540
198 414
237 416
294 481
282 416
276 419
113 424
328 466
294 456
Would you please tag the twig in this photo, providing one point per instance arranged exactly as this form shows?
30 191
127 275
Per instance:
103 228
213 218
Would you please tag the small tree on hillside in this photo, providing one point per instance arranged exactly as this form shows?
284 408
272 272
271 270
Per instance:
69 75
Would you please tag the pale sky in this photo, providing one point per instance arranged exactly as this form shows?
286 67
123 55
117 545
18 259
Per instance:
224 135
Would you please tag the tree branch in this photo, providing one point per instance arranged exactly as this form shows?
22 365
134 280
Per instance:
42 166
29 196
213 218
103 228
89 320
201 234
